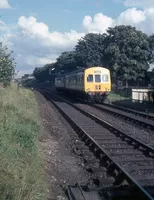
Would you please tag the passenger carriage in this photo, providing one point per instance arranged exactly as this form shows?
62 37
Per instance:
93 84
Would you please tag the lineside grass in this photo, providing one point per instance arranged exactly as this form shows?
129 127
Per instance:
21 163
116 97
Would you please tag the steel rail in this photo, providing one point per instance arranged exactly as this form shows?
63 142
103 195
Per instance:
130 110
106 124
103 154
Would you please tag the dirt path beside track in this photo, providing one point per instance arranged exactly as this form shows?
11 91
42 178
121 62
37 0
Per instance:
62 166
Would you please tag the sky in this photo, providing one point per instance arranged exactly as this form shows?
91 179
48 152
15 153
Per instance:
38 31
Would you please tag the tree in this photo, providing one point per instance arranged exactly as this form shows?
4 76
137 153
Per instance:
67 62
89 50
126 52
43 74
7 65
151 43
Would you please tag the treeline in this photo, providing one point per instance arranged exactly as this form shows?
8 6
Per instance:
7 65
124 50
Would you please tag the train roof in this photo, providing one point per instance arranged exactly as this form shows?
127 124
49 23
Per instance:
78 70
75 71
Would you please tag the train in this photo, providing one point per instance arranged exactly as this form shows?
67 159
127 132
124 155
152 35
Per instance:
91 84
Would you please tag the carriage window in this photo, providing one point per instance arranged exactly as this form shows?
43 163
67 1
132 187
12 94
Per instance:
90 78
105 78
97 78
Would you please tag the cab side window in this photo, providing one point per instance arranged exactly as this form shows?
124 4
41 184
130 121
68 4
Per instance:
90 78
105 78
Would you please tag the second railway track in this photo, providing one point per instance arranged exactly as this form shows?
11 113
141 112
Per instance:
124 157
146 122
134 117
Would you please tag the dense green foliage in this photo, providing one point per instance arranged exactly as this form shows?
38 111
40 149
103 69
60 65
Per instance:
67 61
90 50
124 50
7 65
44 73
127 52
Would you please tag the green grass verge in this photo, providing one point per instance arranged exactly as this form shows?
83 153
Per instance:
116 97
21 163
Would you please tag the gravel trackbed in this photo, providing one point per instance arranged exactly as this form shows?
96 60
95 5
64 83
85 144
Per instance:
62 166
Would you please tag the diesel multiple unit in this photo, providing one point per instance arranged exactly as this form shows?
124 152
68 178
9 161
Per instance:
93 84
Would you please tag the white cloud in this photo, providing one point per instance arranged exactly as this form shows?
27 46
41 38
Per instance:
141 19
99 23
131 16
35 45
4 4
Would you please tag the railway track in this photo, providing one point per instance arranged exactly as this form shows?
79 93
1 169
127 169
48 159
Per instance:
133 108
135 117
128 110
127 160
146 122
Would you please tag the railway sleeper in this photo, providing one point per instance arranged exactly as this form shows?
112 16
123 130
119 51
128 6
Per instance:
88 159
80 143
101 181
113 192
106 191
97 138
80 148
77 151
89 156
75 137
146 167
121 193
92 169
118 147
86 153
131 119
126 153
120 178
82 193
141 161
145 179
90 166
113 142
114 146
